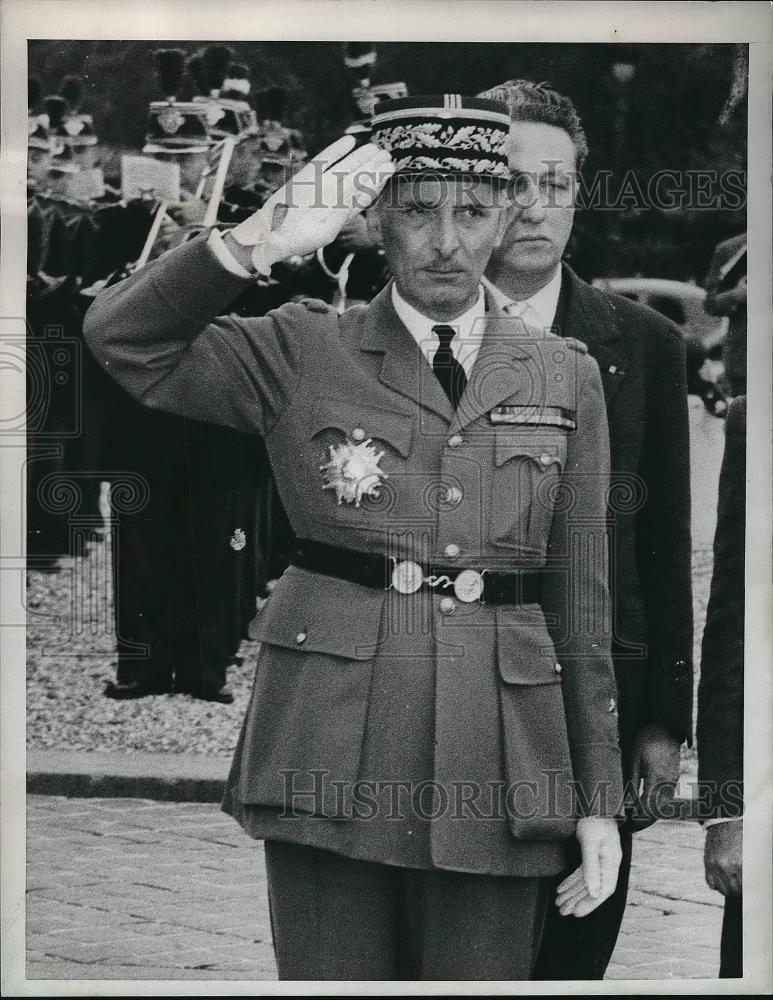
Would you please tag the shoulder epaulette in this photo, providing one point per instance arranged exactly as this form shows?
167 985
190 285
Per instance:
315 305
577 345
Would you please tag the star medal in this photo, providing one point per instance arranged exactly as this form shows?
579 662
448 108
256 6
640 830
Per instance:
353 471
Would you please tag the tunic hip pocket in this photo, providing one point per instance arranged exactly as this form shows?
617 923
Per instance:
538 770
304 728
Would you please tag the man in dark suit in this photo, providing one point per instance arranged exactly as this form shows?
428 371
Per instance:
642 361
720 694
402 692
726 296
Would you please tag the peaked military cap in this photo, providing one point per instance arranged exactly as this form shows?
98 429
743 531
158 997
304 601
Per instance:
447 134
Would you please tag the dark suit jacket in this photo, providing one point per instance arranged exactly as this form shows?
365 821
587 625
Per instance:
641 357
720 692
367 684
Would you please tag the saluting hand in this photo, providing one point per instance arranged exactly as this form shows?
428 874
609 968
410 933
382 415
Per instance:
310 210
595 880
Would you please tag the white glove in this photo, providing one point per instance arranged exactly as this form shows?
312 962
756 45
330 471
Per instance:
595 880
309 211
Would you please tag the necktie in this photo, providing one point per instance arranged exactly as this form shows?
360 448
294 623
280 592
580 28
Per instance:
449 372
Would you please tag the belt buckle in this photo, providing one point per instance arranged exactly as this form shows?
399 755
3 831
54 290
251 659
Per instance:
468 586
407 577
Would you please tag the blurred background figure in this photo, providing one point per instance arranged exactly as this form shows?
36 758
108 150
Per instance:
720 695
184 581
62 428
39 147
726 296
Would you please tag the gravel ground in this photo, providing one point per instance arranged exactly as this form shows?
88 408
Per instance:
71 656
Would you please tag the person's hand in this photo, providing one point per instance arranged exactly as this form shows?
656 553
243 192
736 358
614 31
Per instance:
595 880
654 765
723 857
309 210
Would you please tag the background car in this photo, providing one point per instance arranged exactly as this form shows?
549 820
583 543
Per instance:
680 301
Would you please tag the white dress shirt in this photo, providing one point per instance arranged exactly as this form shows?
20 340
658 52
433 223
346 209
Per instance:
539 310
469 329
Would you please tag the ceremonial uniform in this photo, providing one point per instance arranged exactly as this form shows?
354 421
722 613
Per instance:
336 687
63 427
400 723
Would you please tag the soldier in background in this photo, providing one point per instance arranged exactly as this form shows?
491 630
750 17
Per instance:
353 268
178 133
177 616
50 318
63 190
38 140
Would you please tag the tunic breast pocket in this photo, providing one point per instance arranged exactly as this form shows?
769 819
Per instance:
359 451
527 472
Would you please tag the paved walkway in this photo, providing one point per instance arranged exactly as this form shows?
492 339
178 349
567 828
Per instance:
134 889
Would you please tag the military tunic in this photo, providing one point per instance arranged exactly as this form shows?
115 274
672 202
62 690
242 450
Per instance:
358 685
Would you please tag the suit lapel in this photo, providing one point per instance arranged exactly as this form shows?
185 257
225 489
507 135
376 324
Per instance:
404 368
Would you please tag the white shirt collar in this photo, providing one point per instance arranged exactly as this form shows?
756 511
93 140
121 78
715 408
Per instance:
469 329
542 305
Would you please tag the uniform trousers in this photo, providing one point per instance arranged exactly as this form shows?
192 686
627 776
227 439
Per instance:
338 918
578 948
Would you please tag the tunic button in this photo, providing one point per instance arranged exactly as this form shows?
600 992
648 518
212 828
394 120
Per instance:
301 637
453 495
455 440
545 459
452 551
558 668
358 434
447 605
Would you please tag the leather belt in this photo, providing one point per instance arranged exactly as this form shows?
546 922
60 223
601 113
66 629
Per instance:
383 573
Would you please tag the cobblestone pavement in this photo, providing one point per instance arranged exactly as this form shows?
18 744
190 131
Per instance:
131 889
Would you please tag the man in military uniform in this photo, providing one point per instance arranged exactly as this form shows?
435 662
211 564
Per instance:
434 708
641 356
